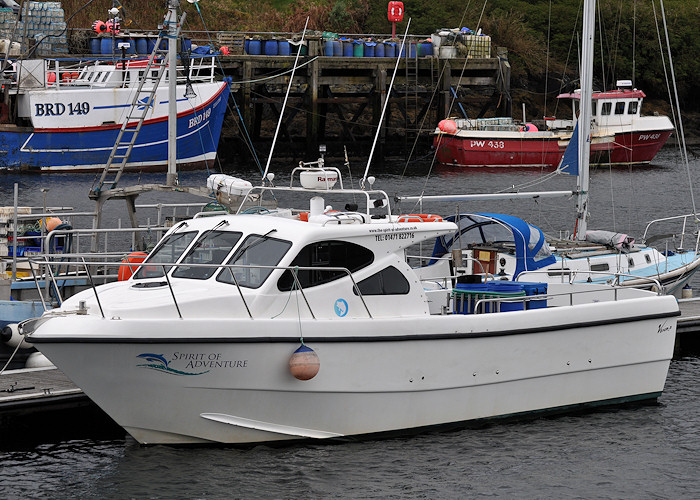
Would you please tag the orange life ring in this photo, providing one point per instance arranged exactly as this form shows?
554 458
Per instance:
125 272
420 218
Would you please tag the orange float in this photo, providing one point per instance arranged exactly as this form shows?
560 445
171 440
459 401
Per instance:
420 218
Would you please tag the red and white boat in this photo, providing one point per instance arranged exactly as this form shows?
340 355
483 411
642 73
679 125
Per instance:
620 135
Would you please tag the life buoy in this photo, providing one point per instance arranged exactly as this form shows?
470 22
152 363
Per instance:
420 218
125 272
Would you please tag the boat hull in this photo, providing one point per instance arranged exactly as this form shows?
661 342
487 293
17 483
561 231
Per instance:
528 149
87 149
633 148
164 385
510 149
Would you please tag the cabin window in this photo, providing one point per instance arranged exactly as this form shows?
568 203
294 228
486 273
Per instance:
535 237
562 271
169 250
632 108
211 248
630 262
257 251
607 107
388 281
620 108
496 232
600 267
326 254
594 107
647 258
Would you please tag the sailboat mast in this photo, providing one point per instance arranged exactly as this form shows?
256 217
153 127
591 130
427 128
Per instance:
584 122
171 21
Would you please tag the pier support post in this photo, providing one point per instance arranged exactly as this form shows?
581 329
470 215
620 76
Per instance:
379 102
445 93
312 117
506 108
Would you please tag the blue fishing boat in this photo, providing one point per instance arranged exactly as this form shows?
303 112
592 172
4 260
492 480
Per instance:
66 116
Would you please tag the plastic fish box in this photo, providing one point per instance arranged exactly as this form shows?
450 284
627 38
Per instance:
535 289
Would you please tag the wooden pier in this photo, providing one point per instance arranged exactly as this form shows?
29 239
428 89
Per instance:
25 390
337 101
688 330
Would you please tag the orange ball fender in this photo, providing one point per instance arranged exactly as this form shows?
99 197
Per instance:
304 363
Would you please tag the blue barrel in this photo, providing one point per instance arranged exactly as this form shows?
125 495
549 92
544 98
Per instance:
246 46
379 50
106 47
358 48
283 48
506 289
141 46
151 44
255 47
425 49
95 46
187 45
389 49
347 48
412 51
369 49
466 295
270 47
132 45
328 48
337 48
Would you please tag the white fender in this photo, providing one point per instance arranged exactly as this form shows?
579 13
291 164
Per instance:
11 336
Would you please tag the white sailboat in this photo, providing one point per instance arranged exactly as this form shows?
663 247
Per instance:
308 323
505 247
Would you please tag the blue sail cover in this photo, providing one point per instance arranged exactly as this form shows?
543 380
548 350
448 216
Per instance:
569 162
531 249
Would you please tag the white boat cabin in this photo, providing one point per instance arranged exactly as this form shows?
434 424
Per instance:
614 108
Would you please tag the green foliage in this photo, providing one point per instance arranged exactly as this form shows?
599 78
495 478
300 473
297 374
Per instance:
538 34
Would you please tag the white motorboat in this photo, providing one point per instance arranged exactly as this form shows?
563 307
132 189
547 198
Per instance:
285 324
309 323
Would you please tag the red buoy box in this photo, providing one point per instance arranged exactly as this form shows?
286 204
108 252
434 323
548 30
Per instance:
395 12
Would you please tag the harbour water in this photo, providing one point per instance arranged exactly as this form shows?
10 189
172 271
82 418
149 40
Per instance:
648 451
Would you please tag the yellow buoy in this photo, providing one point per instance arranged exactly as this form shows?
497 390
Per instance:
304 363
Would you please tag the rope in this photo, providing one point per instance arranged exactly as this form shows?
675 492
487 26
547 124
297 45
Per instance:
12 356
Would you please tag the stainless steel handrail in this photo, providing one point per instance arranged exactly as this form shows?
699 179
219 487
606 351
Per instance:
43 260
